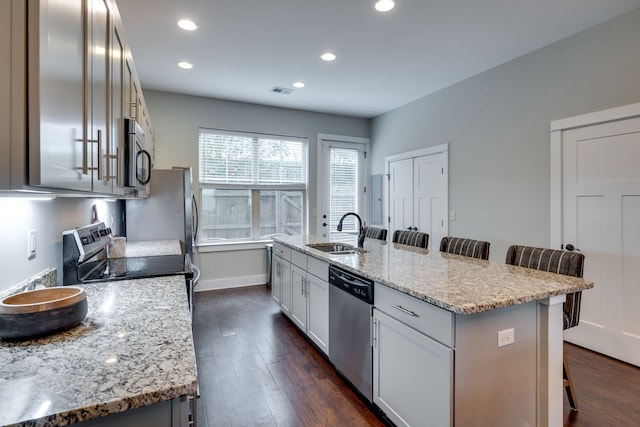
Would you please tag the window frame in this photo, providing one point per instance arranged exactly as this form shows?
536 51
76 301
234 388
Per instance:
256 240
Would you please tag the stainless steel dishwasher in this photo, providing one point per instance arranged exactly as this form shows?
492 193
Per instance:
350 349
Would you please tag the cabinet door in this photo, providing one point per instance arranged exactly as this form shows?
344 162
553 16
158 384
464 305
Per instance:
299 297
57 154
116 143
318 315
276 280
5 88
285 296
412 375
98 92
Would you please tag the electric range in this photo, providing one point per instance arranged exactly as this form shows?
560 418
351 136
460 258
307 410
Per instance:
85 260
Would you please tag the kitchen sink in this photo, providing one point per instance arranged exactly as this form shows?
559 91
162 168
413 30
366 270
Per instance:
336 248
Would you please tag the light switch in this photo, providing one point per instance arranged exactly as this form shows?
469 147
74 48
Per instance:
31 243
452 215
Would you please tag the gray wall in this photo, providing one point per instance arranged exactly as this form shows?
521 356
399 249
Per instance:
176 119
496 124
49 218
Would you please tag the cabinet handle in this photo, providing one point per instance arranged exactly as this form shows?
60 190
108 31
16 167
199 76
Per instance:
85 168
304 281
375 333
118 176
404 310
99 154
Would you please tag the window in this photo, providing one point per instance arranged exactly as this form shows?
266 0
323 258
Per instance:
252 186
344 187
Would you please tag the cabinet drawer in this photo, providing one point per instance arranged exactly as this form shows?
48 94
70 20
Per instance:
282 251
421 316
299 258
318 268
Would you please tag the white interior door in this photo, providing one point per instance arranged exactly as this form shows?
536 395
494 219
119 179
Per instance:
429 206
601 217
401 195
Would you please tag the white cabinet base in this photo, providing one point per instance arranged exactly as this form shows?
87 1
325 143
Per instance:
412 375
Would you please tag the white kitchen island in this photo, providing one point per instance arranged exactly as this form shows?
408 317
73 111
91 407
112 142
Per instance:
439 362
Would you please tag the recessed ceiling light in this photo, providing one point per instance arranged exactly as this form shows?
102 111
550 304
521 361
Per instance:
185 65
328 56
298 85
384 5
187 25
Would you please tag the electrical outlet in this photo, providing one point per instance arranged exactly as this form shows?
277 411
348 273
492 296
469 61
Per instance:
506 337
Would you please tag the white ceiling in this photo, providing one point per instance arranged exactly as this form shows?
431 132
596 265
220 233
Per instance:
245 47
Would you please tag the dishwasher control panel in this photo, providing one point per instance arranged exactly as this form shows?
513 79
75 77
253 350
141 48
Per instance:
351 283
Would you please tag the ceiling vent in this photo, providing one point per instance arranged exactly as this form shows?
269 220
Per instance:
282 90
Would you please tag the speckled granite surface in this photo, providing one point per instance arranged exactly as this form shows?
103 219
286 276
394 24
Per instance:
153 248
458 284
135 348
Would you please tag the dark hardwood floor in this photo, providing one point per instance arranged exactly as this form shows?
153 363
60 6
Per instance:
608 391
256 370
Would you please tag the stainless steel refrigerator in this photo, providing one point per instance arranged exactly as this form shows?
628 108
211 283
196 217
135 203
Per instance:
170 212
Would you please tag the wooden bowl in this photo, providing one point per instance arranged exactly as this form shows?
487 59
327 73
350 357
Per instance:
42 312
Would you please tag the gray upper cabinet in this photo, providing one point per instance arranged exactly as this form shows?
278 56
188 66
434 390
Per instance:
71 81
59 155
115 162
97 36
68 94
6 76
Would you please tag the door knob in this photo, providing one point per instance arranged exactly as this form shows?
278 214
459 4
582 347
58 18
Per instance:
324 224
415 228
570 248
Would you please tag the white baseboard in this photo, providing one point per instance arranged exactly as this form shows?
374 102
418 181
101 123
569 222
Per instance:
230 282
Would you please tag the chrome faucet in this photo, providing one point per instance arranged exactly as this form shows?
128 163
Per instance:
361 232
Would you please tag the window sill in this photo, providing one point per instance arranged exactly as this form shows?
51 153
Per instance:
231 246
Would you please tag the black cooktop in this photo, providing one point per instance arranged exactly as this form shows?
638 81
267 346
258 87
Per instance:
141 267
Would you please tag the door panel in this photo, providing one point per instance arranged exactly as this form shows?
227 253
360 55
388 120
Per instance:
601 216
428 185
631 266
591 231
401 194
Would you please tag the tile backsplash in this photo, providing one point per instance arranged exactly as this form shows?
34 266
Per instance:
44 279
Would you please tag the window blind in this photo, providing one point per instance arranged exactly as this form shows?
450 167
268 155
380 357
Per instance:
343 171
252 160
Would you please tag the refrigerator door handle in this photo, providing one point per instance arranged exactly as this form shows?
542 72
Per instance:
196 219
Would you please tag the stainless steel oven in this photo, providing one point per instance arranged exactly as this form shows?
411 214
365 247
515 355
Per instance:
137 160
84 260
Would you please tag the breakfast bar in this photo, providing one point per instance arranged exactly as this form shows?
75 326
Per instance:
459 307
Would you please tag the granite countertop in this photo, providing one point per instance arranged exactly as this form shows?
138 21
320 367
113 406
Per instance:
153 248
456 283
134 348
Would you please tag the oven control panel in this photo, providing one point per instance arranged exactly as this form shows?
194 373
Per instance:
90 239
